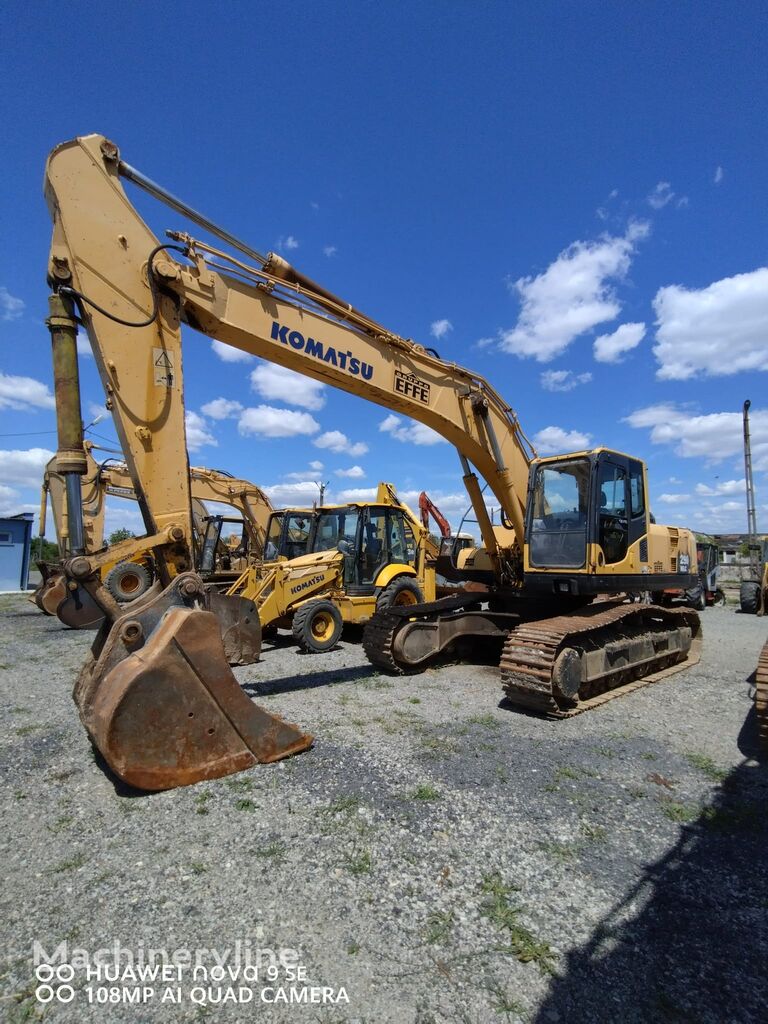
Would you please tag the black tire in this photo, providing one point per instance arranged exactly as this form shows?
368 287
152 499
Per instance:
718 600
128 581
749 597
402 591
317 626
695 598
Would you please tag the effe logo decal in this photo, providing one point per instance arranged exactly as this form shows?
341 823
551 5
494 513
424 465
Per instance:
409 385
325 353
685 563
306 584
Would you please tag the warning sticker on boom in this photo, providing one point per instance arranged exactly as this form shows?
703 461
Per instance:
164 367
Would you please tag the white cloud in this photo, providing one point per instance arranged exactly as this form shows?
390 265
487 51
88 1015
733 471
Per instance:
484 342
410 432
222 409
228 354
7 494
316 466
23 393
715 331
354 472
267 421
726 487
287 242
719 175
11 308
335 441
84 346
329 251
661 195
674 499
556 441
198 434
439 328
358 494
714 437
609 348
573 295
300 494
282 385
563 380
24 467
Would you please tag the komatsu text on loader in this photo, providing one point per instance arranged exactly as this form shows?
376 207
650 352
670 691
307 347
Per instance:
157 696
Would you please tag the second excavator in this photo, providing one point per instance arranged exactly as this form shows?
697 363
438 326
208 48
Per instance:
548 585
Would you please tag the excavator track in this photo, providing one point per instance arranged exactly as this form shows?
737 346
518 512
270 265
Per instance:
378 641
761 696
569 664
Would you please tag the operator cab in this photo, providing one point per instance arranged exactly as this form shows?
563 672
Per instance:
220 556
370 537
288 533
586 504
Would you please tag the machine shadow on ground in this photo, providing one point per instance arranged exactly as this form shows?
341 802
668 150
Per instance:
698 921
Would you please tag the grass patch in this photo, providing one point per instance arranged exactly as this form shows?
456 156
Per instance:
437 745
488 720
596 833
680 813
240 785
605 751
197 867
19 710
706 765
439 927
498 908
344 804
566 771
273 851
648 756
244 804
425 792
353 948
25 730
69 865
201 801
60 824
359 862
414 700
502 1002
558 851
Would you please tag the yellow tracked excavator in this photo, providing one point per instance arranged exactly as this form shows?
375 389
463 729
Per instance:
128 578
157 696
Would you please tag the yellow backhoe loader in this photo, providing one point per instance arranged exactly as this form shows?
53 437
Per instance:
157 697
127 579
361 558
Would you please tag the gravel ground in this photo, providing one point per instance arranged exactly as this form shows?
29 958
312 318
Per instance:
436 857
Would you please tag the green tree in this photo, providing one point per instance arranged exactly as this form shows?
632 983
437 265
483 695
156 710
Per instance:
44 550
117 535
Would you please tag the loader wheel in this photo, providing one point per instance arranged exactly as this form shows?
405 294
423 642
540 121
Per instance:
400 593
317 626
749 597
127 581
719 599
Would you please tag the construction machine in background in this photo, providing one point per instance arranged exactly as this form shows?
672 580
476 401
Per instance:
129 577
706 593
157 697
361 557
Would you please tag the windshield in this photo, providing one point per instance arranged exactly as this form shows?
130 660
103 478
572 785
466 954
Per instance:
287 535
335 526
558 532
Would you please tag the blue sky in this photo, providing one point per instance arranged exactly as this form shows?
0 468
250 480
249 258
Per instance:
568 198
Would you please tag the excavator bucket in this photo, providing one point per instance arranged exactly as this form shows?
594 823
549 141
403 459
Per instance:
160 703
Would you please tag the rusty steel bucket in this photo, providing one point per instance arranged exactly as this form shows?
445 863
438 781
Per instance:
160 703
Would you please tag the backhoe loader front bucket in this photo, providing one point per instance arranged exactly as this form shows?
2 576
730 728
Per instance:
161 704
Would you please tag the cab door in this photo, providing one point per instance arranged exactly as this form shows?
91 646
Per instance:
612 508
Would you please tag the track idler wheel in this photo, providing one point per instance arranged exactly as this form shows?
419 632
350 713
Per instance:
161 704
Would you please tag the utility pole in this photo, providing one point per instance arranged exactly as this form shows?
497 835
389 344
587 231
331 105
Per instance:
753 547
321 487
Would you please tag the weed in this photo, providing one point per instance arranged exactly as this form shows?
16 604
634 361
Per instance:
605 751
344 804
637 792
69 865
502 1002
244 804
25 730
648 756
551 787
359 862
565 771
497 907
437 745
274 850
706 765
197 867
201 800
414 700
353 948
730 818
19 710
424 792
488 720
240 785
594 832
681 813
559 851
439 925
60 824
63 775
502 774
19 794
